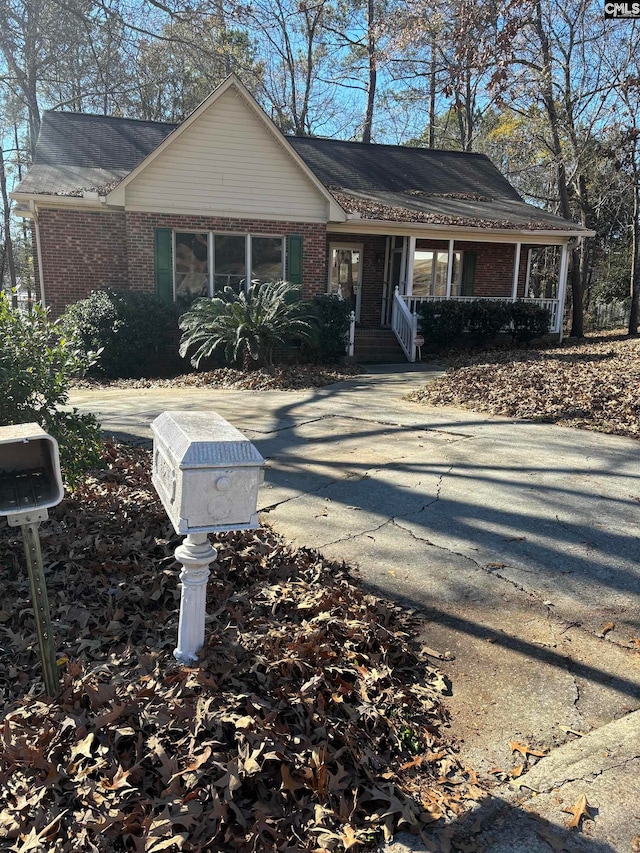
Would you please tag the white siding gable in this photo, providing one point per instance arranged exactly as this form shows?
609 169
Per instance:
227 163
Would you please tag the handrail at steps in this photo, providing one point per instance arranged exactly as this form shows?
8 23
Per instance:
404 325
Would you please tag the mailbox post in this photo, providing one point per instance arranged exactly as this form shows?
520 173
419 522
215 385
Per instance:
30 483
207 475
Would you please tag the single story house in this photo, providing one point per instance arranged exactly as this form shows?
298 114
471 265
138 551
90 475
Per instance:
224 197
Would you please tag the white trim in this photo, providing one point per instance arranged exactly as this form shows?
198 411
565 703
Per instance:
516 271
450 268
34 216
562 288
411 255
117 195
212 261
228 214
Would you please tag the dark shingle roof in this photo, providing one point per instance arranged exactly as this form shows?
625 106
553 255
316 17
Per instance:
402 184
78 152
394 168
97 142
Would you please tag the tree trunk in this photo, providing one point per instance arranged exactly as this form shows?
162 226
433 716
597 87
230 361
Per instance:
8 245
432 93
373 72
634 319
577 314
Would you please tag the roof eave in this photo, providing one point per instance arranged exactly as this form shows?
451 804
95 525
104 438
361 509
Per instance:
389 226
51 200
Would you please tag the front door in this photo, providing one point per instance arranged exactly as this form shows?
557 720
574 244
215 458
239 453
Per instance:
345 273
394 275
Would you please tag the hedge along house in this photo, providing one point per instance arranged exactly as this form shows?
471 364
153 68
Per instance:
224 198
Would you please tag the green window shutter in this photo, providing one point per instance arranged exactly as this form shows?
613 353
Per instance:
294 259
163 265
468 272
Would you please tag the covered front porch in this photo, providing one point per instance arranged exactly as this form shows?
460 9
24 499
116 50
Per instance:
386 276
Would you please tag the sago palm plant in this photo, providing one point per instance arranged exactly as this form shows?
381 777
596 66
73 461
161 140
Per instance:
245 326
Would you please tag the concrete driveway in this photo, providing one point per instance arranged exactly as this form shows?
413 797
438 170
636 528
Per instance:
516 543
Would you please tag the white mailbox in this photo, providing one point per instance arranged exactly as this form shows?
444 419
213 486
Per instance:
207 476
206 472
30 480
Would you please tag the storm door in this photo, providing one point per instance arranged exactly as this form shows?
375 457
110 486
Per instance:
345 273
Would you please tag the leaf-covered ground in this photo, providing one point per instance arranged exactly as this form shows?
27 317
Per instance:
312 722
593 383
285 377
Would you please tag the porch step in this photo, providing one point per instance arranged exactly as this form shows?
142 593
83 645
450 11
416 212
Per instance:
377 345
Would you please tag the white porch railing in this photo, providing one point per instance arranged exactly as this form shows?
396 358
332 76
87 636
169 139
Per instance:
404 325
552 305
351 344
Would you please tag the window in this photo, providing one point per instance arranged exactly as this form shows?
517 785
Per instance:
206 263
191 267
230 253
430 273
266 258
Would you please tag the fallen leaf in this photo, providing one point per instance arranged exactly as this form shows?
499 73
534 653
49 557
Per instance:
606 629
524 749
579 810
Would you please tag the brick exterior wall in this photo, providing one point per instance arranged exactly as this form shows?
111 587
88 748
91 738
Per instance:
85 251
89 250
82 251
140 243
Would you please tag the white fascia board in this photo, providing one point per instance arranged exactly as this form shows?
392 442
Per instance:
228 214
42 200
117 195
551 237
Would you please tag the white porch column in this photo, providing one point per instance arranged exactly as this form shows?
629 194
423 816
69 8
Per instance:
527 280
562 288
449 269
411 251
402 282
516 270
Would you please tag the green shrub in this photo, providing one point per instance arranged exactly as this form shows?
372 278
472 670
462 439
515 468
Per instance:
133 330
246 327
329 336
486 319
442 322
37 363
528 321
